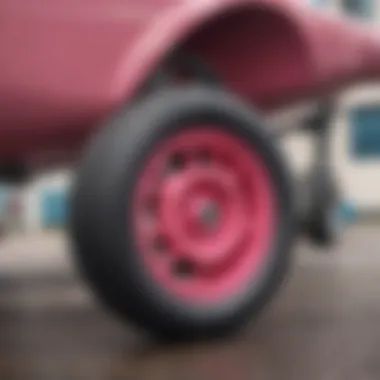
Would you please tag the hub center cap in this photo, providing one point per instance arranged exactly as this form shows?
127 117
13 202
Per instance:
209 214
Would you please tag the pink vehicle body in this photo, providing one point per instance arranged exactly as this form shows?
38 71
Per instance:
65 65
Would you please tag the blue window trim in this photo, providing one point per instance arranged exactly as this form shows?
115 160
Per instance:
363 9
53 206
364 133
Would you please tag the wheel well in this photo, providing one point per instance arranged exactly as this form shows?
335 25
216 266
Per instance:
256 52
14 173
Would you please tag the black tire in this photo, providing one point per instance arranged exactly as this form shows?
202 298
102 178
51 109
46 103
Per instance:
167 74
100 226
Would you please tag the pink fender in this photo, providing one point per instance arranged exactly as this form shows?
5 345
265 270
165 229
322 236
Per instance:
65 65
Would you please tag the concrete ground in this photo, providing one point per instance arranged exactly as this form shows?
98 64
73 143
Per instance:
324 324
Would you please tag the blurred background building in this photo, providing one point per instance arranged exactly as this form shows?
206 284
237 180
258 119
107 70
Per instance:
357 129
356 142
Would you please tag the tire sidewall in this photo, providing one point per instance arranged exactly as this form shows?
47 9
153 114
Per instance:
124 149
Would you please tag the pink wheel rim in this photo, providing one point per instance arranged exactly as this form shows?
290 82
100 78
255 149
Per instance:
204 212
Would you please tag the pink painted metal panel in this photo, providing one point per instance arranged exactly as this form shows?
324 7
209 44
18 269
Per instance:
66 64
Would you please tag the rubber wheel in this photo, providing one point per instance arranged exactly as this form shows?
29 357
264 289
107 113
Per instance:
324 225
183 214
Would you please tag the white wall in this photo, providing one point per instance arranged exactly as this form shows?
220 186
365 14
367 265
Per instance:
360 178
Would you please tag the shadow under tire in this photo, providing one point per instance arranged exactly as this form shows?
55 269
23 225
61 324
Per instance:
182 214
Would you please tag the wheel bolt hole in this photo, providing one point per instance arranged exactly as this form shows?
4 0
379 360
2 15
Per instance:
183 268
204 157
160 244
177 161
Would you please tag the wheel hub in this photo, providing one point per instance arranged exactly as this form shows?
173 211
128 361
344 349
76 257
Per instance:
212 217
208 214
202 212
